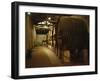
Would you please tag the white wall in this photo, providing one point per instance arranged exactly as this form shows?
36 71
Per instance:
5 40
40 38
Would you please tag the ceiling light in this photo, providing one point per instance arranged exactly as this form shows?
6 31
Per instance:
49 18
29 13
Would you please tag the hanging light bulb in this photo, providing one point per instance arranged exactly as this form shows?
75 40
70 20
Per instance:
49 18
29 13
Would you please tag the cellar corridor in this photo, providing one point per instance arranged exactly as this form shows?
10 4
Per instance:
56 40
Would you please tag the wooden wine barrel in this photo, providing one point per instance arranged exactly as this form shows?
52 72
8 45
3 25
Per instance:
73 35
73 32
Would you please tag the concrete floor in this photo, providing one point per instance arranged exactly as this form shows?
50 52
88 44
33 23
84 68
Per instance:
43 57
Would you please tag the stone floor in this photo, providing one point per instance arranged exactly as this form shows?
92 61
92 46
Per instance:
43 57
